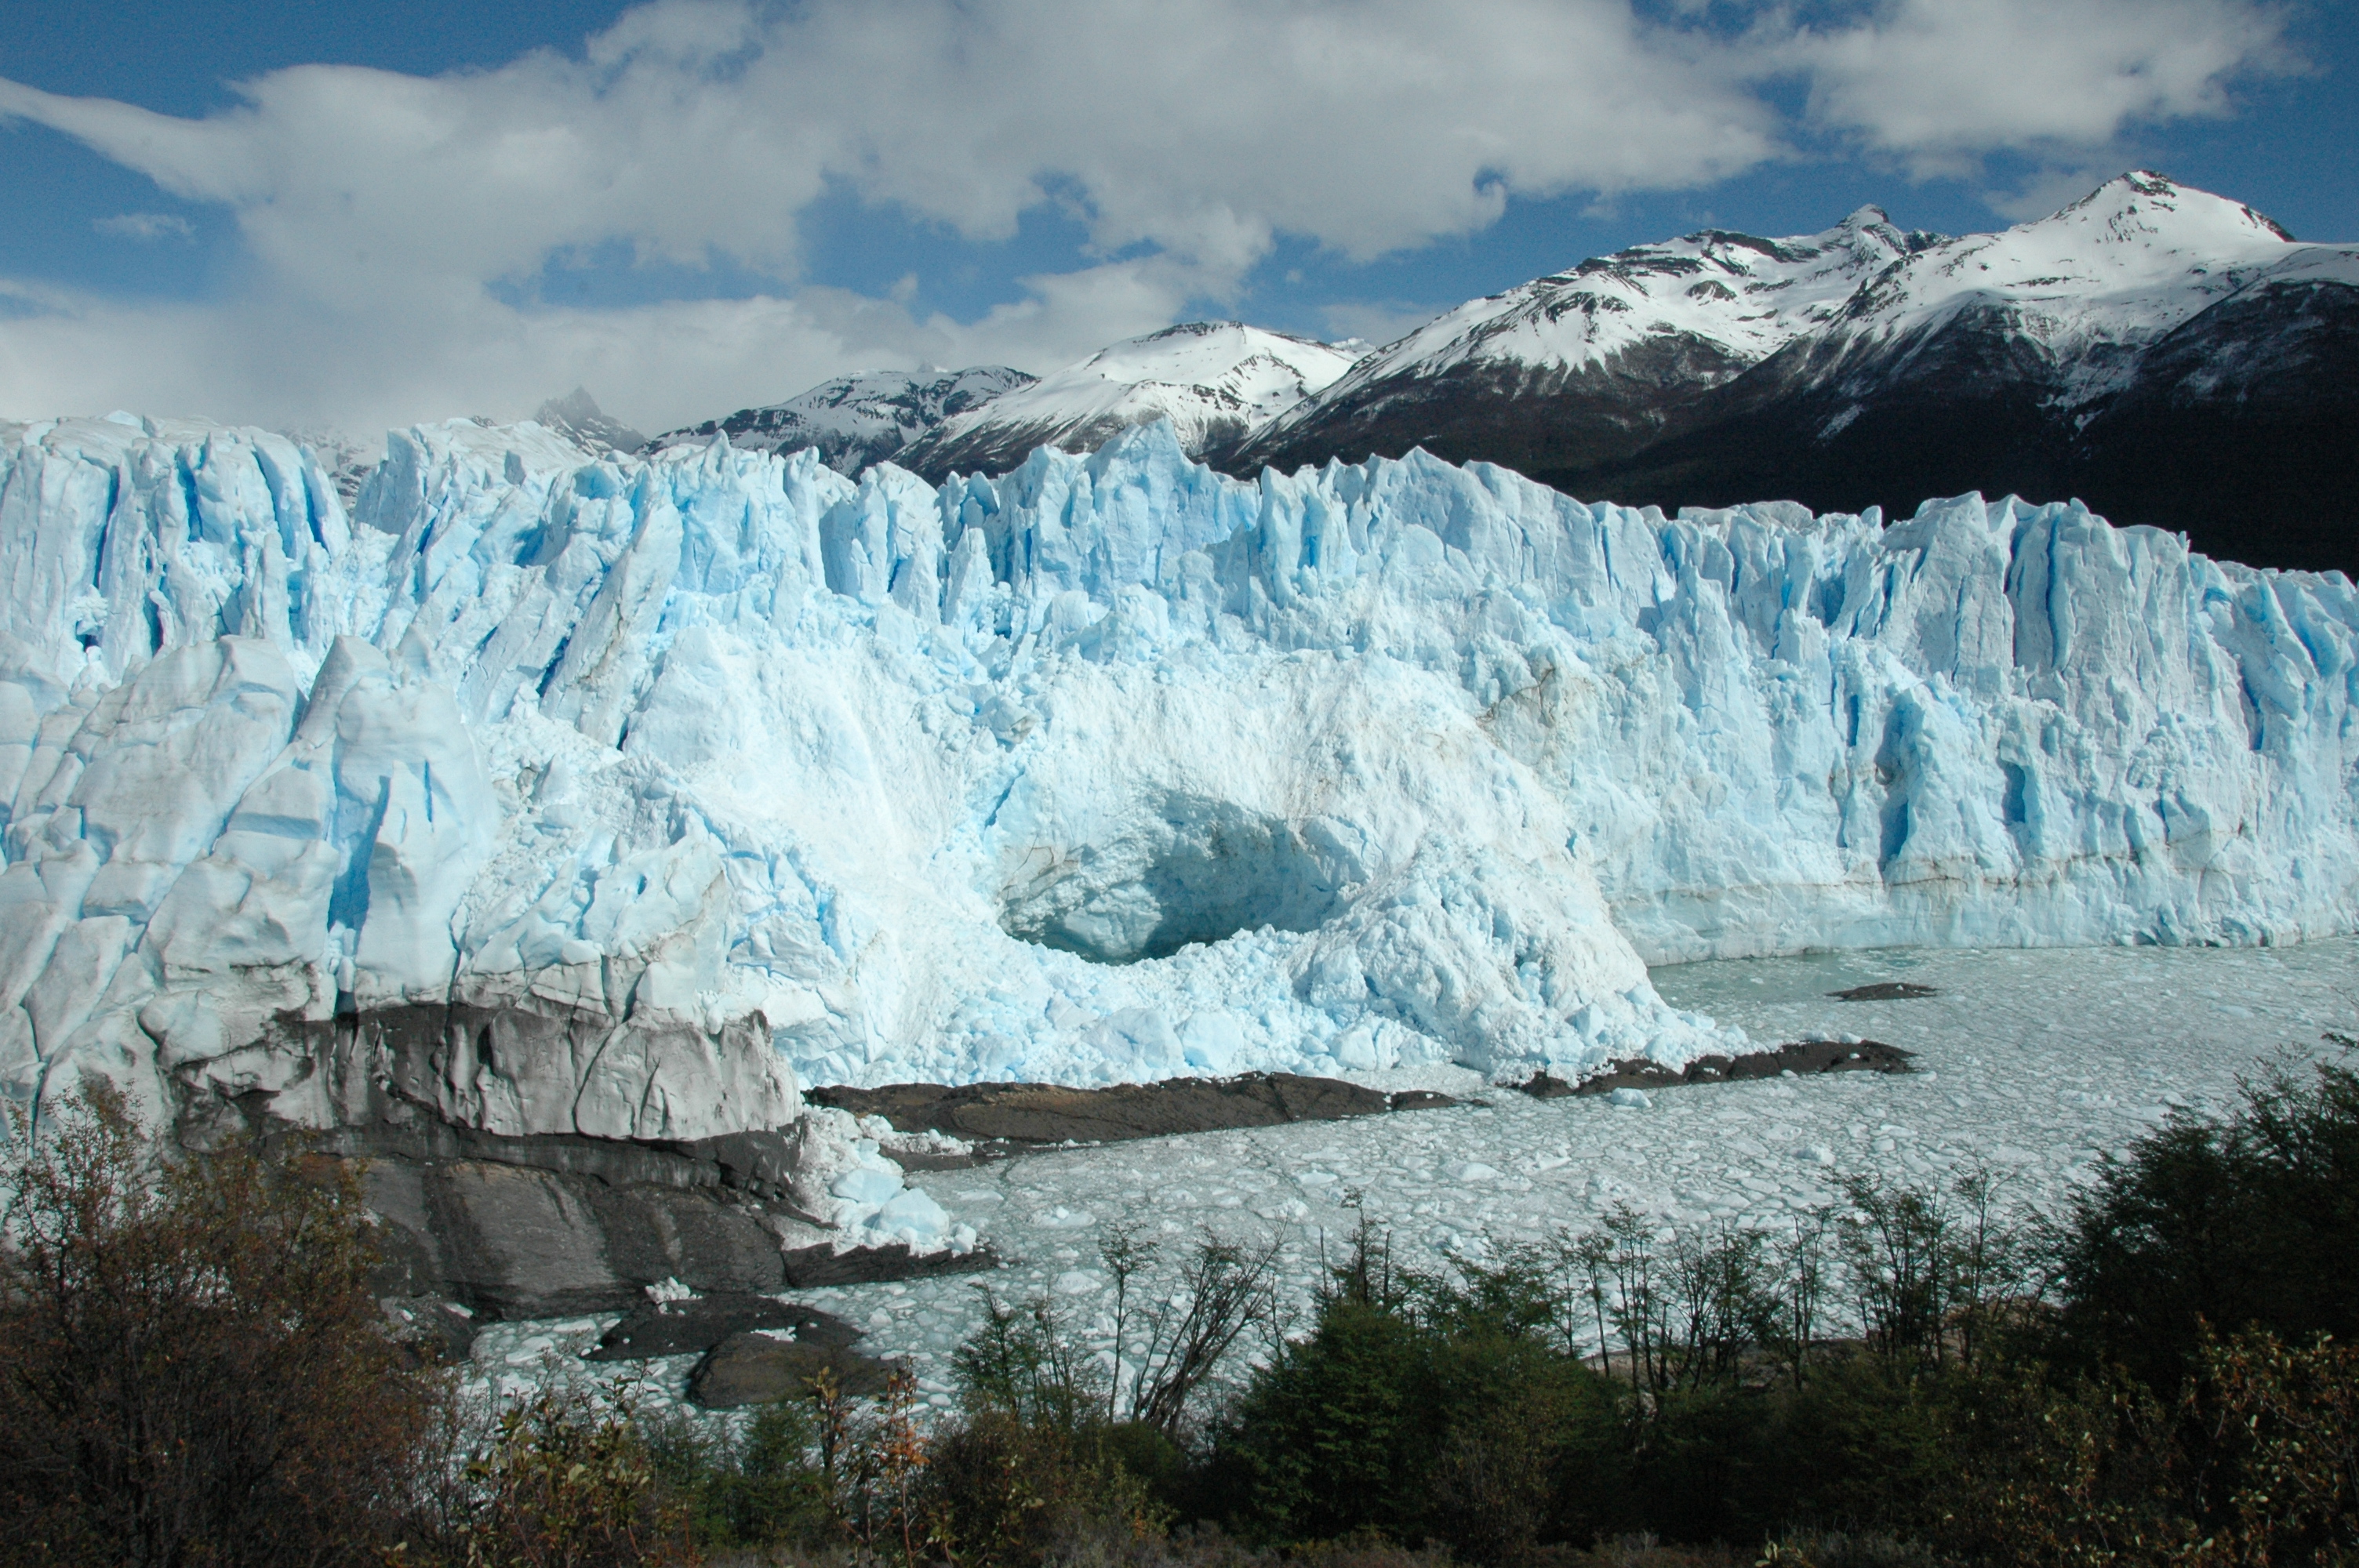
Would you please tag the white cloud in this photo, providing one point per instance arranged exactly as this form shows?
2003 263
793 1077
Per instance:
1198 126
1942 84
380 210
143 226
275 361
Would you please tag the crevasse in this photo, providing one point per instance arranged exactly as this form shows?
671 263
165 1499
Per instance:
622 798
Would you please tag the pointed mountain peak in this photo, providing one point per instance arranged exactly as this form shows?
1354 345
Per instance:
576 416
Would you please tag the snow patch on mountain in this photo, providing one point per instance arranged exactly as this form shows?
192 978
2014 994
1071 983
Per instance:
856 420
1745 297
1215 382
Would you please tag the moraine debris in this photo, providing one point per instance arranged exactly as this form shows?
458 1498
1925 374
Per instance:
1886 990
1006 1118
1803 1058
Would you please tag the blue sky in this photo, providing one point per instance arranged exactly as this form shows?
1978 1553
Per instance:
359 215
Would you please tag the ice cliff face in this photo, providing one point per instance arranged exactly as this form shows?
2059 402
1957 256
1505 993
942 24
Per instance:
614 797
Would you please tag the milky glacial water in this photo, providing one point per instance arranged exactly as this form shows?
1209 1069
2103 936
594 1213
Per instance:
2033 1063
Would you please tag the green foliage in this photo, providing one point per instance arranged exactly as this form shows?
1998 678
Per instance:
1328 1440
564 1481
1417 1407
1964 1416
1025 1363
2250 1221
1001 1492
755 1485
1933 1273
2281 1428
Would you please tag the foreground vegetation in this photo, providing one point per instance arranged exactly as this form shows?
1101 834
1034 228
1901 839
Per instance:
193 1371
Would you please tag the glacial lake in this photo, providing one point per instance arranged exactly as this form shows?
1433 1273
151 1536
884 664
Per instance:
2032 1063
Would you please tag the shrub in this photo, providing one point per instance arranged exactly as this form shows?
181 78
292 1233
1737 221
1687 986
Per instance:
1329 1438
753 1486
192 1367
2248 1222
2279 1426
1000 1491
568 1484
1419 1408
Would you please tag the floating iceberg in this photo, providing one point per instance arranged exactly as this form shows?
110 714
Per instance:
622 798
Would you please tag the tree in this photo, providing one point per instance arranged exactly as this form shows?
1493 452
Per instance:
2250 1221
192 1369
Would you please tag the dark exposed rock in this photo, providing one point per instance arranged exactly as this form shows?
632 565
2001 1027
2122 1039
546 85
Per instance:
545 1224
754 1368
1009 1116
950 1159
440 1333
676 1329
1801 1058
513 1241
1886 990
2236 429
758 1164
517 1241
808 1268
1534 420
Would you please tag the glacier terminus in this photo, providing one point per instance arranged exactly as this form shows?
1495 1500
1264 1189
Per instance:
625 799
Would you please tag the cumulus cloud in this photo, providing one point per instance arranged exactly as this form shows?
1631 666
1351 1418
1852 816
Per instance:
1942 84
1196 126
143 226
384 212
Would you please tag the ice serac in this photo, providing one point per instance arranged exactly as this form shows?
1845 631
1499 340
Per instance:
611 799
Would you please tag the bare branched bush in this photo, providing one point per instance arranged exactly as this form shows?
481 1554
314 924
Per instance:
1193 1326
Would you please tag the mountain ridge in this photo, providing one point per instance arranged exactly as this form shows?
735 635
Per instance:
2167 355
1216 381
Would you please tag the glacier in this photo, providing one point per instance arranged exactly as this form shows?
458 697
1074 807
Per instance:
625 798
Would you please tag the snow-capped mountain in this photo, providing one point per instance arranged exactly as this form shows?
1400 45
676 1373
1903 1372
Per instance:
2169 355
577 419
2112 351
2090 283
856 420
1216 382
1592 361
